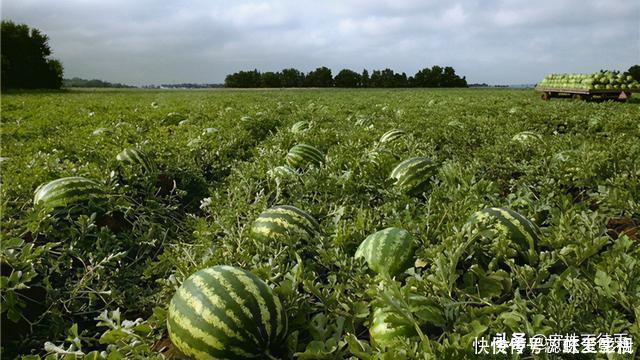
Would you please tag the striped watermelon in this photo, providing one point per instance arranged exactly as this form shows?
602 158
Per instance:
456 124
102 131
300 126
412 175
384 333
282 172
526 136
194 142
392 135
491 222
173 118
389 251
138 157
67 191
303 154
284 223
224 312
378 156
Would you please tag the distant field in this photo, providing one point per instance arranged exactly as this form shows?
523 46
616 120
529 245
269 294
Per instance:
571 168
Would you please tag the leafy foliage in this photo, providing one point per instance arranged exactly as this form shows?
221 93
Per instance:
25 59
65 275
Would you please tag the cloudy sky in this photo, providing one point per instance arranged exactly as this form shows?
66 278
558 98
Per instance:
494 41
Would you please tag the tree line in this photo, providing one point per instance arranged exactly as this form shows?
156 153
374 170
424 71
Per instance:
93 83
435 76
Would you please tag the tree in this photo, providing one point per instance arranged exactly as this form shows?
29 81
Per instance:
347 78
364 78
438 77
292 78
320 77
400 80
375 80
244 79
271 79
634 71
25 59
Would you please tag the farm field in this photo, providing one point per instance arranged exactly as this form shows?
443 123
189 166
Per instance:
94 277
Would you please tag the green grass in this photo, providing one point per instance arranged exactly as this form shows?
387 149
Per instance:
579 182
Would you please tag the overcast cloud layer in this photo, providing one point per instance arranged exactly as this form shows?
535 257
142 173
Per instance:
493 41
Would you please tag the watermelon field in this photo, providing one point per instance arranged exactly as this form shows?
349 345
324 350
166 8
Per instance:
316 224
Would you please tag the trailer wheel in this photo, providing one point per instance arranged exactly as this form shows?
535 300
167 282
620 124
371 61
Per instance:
546 96
577 97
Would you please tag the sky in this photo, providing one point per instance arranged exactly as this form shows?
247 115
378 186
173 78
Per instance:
142 42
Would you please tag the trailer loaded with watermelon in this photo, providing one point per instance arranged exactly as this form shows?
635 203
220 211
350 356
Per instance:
604 85
314 225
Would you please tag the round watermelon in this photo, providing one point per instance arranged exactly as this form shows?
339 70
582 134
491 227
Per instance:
136 157
412 175
384 332
67 191
301 155
392 135
526 136
491 223
224 312
282 172
284 223
173 118
102 131
300 126
389 251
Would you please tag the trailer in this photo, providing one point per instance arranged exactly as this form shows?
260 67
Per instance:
585 94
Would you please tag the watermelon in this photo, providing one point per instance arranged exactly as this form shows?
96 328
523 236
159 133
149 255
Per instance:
378 156
137 157
392 135
300 126
224 312
67 191
456 124
282 172
194 142
389 251
526 136
284 223
492 222
102 131
173 118
412 175
384 332
302 154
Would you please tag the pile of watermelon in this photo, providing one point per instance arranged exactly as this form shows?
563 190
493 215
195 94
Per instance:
602 80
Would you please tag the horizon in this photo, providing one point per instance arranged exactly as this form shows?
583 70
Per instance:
197 42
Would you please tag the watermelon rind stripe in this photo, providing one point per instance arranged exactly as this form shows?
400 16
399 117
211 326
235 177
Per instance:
302 213
284 218
302 153
392 135
66 191
237 298
249 307
226 321
225 312
387 251
265 315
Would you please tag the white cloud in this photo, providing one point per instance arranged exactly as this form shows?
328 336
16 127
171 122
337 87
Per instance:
494 41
